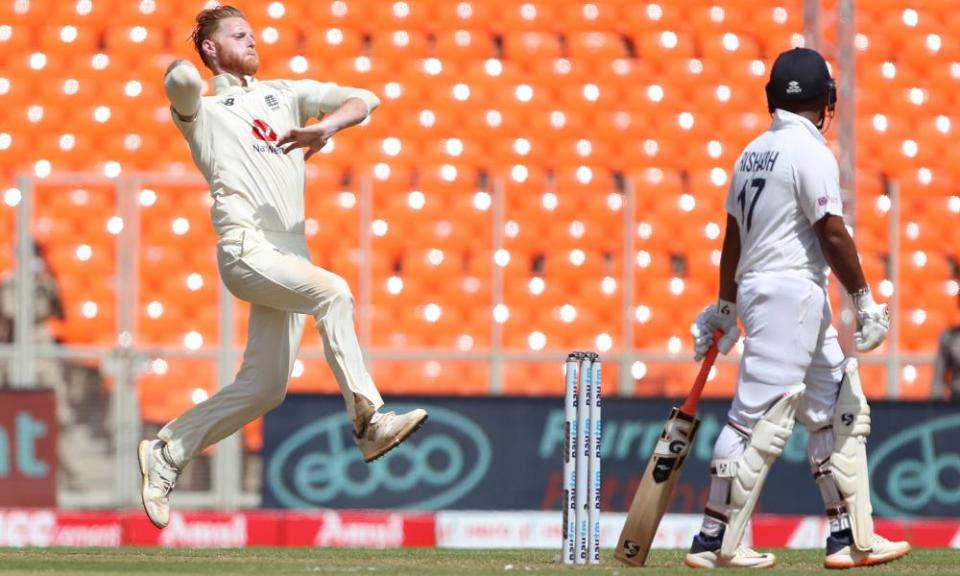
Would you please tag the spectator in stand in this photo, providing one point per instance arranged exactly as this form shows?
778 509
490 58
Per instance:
946 370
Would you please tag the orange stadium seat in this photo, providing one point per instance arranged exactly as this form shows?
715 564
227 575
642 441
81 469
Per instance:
253 436
279 15
126 41
173 385
65 39
94 12
138 12
519 15
400 15
531 45
624 74
15 37
722 45
710 19
277 43
595 46
665 45
334 44
326 14
401 45
591 16
557 73
640 17
462 45
465 15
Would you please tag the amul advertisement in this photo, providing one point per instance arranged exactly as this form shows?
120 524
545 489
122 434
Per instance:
478 453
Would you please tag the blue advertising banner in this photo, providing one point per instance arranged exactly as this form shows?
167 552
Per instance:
480 453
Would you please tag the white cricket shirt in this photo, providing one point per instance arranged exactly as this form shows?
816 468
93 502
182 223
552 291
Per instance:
233 142
784 181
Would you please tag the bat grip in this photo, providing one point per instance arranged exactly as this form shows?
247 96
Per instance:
690 404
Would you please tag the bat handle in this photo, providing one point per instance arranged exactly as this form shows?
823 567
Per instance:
690 405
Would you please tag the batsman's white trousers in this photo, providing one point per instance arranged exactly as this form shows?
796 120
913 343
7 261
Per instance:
789 339
272 271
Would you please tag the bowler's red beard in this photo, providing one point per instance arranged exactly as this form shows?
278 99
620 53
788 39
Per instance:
245 63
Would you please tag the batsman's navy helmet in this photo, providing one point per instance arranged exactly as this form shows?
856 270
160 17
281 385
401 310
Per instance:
800 74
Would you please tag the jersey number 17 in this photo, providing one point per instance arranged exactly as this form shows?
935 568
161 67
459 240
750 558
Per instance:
747 215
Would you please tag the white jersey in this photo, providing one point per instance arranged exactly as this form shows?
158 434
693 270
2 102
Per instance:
784 181
233 142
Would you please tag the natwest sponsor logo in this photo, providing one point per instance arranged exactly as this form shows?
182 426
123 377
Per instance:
229 532
263 131
344 530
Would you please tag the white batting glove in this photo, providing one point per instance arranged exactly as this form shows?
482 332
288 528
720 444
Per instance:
873 321
720 316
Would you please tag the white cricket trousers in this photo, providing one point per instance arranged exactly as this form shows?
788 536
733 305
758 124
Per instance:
272 271
789 339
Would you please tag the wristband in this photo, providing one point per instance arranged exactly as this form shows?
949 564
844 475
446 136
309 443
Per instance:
862 298
861 292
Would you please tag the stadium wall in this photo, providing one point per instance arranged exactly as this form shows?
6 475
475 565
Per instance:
493 454
21 527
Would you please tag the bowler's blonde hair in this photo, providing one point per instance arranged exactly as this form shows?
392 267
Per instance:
207 22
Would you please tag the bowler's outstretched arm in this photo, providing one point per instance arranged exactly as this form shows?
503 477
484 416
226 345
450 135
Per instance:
183 86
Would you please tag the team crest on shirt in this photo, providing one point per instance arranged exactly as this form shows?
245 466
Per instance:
272 102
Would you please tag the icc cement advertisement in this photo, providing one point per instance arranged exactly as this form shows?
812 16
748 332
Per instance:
505 454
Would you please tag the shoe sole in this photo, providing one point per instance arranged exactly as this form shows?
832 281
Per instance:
711 565
866 562
696 566
142 458
398 439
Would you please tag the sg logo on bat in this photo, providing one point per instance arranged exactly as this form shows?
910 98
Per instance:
663 468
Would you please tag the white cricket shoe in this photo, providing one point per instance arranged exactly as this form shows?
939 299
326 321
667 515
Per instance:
385 431
705 553
842 554
744 558
159 478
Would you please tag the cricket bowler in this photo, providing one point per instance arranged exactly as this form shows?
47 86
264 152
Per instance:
784 228
250 140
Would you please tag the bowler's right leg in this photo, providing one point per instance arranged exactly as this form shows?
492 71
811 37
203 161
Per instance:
285 278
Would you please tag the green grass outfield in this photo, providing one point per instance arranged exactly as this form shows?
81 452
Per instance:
414 561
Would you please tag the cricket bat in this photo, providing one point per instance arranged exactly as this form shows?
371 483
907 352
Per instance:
663 471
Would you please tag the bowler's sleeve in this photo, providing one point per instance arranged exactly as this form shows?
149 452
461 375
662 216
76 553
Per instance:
183 86
317 98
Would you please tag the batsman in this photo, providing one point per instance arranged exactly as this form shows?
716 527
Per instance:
784 228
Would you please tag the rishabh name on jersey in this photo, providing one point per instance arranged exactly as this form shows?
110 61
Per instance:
234 144
782 183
